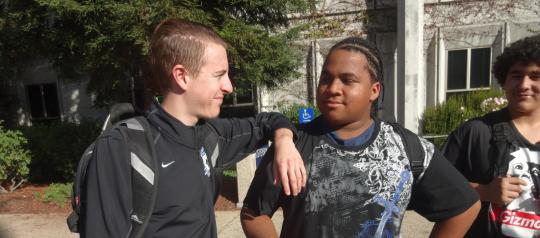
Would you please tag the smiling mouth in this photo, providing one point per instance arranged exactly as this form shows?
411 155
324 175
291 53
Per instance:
332 104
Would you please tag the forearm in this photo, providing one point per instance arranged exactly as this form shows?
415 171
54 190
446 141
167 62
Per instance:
458 225
283 135
257 226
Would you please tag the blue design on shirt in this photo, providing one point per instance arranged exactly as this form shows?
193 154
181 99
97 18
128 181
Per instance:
390 208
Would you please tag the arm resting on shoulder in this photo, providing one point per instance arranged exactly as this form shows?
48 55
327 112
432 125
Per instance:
458 225
289 166
257 226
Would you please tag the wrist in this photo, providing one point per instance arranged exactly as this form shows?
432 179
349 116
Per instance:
283 135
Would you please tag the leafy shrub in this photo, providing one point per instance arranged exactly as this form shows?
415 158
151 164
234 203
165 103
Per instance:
57 193
444 118
14 159
291 111
57 148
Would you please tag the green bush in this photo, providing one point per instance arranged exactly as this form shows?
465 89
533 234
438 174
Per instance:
57 148
444 118
57 193
14 159
291 111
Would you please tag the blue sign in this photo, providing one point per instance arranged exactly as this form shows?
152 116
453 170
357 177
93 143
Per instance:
305 114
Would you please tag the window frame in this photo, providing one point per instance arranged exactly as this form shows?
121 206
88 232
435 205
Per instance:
43 105
468 71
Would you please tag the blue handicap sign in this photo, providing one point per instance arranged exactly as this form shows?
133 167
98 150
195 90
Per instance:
305 114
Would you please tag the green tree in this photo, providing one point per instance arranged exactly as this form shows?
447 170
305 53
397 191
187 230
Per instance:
107 40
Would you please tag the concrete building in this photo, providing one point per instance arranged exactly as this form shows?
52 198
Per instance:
431 48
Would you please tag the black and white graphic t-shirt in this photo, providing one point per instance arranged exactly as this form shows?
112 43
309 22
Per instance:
521 217
468 148
361 190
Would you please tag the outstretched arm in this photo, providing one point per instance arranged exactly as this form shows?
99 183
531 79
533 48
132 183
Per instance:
240 137
458 225
257 226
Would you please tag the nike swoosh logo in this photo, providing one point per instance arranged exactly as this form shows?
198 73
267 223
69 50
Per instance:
167 164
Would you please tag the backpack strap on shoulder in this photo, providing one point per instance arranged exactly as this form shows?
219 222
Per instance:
78 200
501 139
138 135
413 148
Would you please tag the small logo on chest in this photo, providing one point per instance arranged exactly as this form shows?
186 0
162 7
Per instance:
165 165
204 159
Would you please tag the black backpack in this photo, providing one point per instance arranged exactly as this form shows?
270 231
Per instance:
137 132
413 149
502 140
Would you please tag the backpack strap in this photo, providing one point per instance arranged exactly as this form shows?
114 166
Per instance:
413 148
144 177
501 139
77 198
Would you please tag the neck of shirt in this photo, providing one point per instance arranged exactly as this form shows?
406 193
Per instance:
355 141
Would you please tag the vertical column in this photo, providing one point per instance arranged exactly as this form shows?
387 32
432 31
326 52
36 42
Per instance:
410 62
245 171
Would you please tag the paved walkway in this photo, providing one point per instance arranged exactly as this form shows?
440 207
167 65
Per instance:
228 223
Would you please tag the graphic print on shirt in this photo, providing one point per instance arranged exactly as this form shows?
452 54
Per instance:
204 159
350 189
521 217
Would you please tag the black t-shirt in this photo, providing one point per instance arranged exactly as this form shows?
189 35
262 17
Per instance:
470 149
360 191
184 205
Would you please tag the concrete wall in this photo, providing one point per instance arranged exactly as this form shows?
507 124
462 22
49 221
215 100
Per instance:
447 25
74 103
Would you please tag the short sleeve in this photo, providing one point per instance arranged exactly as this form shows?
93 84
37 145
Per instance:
467 149
263 197
442 192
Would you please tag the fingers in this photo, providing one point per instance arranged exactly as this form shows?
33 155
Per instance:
284 175
304 174
299 179
516 181
275 173
293 180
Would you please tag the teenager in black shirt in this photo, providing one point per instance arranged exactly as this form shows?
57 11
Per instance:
190 69
359 175
499 153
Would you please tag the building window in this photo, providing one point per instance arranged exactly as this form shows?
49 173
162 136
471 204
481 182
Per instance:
468 70
240 103
43 101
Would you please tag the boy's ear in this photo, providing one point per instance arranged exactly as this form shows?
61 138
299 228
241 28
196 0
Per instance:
180 76
375 91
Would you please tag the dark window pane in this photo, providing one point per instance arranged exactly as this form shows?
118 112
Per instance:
457 69
245 96
35 101
51 100
480 67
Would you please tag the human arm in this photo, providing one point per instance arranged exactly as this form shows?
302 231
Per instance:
108 189
467 148
261 201
500 191
257 226
241 137
456 226
443 195
288 167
